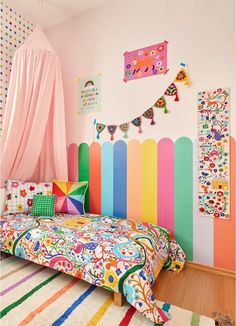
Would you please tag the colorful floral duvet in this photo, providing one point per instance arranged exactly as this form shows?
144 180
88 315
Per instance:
117 254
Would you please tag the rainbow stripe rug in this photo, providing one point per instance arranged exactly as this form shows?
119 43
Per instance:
36 295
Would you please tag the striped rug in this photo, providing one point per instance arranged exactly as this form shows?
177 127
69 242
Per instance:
35 295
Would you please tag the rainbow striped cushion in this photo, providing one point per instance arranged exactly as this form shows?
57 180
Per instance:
70 196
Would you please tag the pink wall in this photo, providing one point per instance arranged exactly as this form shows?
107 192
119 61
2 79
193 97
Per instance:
95 41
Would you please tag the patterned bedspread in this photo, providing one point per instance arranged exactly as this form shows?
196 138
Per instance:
117 254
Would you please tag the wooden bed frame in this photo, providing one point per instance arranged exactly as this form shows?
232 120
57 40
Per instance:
118 298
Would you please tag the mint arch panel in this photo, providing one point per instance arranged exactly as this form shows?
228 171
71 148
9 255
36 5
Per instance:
183 222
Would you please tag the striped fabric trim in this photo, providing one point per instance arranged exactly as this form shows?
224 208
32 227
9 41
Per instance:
27 295
74 305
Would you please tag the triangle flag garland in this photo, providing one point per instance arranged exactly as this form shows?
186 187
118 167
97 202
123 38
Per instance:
124 127
149 114
111 129
137 123
161 104
172 91
99 127
181 77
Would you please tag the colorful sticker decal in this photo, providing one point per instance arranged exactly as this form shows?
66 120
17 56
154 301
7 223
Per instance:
145 62
89 94
213 153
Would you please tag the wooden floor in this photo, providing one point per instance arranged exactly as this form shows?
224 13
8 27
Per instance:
198 291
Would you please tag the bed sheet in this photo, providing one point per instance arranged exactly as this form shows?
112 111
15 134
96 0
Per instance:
117 254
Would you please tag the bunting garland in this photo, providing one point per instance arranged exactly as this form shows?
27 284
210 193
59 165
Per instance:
124 127
99 127
137 123
112 129
149 114
181 77
161 104
172 91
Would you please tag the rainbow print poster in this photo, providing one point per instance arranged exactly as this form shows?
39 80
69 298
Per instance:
89 94
213 153
146 62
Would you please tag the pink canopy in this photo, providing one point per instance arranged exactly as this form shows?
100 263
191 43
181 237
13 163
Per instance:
33 142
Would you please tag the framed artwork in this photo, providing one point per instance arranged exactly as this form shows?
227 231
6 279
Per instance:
146 62
89 94
213 153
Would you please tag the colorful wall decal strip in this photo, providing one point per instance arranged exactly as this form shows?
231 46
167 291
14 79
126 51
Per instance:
107 178
95 178
203 228
224 231
73 162
165 181
149 181
84 169
213 153
120 179
134 180
184 194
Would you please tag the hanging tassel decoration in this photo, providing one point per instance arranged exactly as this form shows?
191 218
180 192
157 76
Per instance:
182 77
149 114
172 91
137 123
161 104
111 129
99 127
124 127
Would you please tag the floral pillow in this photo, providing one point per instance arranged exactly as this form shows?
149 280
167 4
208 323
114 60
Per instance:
19 195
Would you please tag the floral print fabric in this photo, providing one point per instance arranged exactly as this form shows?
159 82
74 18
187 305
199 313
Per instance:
117 254
19 195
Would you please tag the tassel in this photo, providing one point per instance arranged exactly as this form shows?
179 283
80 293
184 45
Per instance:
222 320
112 137
165 110
125 136
152 122
140 130
98 136
176 97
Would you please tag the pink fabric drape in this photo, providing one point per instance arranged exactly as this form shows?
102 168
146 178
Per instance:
33 142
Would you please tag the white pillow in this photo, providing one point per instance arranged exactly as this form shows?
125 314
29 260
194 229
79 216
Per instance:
2 200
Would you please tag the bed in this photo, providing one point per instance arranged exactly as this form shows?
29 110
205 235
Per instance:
120 255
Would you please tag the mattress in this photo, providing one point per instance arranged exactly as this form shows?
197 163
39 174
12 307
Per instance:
117 254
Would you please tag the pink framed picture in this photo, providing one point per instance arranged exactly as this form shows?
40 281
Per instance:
146 62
